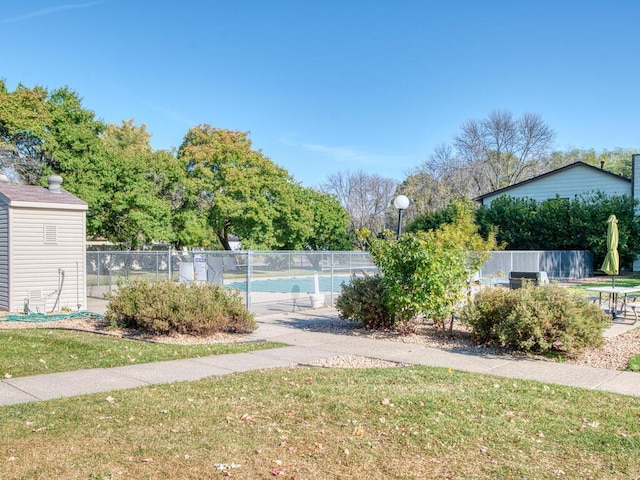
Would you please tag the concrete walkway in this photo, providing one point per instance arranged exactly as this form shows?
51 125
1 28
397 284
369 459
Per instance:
305 345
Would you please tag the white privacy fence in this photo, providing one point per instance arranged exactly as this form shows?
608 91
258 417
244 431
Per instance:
272 282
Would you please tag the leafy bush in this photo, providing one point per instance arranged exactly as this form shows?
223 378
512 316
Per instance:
425 273
363 300
578 224
168 308
536 319
634 363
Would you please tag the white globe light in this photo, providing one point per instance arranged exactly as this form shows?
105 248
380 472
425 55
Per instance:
401 202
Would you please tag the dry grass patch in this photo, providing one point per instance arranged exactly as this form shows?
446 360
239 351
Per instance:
312 423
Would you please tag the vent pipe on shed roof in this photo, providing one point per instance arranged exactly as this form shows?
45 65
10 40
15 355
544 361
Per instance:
54 182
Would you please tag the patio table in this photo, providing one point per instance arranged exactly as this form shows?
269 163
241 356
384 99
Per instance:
615 293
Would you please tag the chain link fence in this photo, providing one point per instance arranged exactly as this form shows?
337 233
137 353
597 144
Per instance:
276 282
269 282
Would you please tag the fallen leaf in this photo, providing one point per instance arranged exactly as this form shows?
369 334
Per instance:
247 418
7 375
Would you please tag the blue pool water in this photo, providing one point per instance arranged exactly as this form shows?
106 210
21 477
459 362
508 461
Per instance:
291 285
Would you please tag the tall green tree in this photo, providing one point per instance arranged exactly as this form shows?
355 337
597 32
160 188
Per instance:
112 167
137 208
24 121
241 192
330 222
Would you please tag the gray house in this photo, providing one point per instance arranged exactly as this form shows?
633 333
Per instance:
42 248
578 178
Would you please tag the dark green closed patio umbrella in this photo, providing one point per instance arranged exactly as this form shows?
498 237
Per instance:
611 264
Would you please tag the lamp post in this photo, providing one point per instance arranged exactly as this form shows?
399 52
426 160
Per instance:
401 202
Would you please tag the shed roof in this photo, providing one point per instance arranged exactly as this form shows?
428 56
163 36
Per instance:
39 197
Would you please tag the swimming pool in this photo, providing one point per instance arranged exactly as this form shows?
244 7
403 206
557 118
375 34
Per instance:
291 284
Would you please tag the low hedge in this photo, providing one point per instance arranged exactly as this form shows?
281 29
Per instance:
168 308
536 319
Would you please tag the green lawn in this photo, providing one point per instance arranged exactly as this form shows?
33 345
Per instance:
624 281
314 423
37 351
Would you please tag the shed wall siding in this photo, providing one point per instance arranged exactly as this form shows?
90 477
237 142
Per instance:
35 264
568 184
4 257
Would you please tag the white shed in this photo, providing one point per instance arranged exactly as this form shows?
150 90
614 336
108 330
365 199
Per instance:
42 248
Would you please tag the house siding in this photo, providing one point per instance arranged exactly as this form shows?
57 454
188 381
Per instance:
4 256
35 257
567 184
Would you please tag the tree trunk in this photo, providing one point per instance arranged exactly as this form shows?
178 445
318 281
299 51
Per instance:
223 236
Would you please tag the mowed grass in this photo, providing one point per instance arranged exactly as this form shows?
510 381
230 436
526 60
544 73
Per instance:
604 281
38 351
313 423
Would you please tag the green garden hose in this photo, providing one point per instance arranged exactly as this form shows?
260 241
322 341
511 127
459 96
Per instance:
42 317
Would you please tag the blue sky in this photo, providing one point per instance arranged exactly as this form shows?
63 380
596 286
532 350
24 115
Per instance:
337 85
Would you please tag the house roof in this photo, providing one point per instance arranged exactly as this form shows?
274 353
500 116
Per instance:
547 174
41 197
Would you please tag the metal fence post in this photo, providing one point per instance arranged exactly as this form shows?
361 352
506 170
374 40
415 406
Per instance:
249 274
332 280
169 272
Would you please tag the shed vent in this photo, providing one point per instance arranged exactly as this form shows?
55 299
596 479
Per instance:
54 182
51 234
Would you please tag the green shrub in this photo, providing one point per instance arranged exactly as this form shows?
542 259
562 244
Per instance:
634 363
425 274
535 319
363 300
168 308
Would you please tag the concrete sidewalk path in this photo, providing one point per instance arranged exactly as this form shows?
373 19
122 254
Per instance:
305 346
